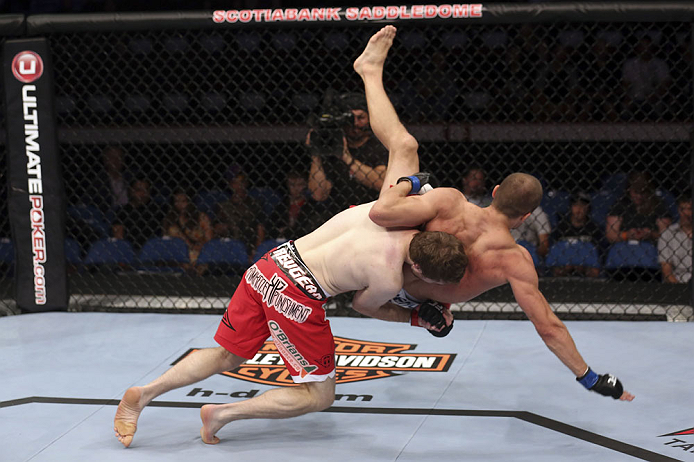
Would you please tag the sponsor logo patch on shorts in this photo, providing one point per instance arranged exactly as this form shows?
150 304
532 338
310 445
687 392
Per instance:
288 260
271 292
289 351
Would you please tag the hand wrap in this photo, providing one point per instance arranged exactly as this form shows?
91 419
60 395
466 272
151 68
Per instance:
606 384
432 312
421 182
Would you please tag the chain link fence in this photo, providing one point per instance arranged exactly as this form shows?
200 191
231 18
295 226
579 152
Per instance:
185 152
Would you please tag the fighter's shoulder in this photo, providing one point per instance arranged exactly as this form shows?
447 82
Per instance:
444 197
516 260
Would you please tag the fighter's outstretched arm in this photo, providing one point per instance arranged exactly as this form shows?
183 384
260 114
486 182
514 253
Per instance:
394 208
524 283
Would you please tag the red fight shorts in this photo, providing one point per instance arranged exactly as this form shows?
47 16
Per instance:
279 296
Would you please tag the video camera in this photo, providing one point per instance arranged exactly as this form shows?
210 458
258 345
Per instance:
328 127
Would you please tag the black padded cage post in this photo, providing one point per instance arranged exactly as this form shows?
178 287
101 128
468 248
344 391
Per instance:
192 103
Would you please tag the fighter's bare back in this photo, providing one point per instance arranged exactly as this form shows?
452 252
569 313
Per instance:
350 252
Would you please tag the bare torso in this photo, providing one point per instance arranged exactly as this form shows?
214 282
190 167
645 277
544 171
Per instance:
350 252
488 245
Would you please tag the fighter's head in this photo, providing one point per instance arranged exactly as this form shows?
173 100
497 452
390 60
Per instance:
517 196
438 257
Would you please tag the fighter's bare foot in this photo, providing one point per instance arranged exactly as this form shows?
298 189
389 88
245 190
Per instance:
210 423
374 55
129 409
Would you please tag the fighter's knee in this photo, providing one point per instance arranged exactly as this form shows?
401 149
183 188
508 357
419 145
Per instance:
226 357
323 402
406 145
321 396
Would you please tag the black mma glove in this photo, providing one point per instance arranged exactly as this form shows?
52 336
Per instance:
421 182
606 384
432 312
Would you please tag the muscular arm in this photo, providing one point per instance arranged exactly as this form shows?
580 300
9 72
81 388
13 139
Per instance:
524 283
395 208
373 302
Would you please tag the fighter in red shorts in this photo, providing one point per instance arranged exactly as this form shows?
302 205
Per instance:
282 295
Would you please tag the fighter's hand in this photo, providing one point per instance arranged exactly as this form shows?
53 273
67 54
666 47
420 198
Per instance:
433 316
606 385
421 182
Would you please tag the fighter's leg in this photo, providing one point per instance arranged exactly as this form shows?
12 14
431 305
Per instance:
195 367
278 403
403 159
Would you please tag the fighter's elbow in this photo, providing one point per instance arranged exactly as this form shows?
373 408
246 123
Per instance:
378 215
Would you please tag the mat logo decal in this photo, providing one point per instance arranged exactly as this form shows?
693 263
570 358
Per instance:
27 66
355 360
686 444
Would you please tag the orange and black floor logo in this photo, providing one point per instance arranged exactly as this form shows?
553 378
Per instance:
355 360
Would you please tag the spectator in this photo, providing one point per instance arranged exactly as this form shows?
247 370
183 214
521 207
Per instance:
293 217
640 215
108 182
646 79
185 221
140 219
675 244
353 175
577 226
474 186
118 178
535 230
556 88
239 217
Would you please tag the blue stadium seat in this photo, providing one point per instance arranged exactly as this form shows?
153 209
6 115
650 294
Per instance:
267 197
6 251
72 252
533 252
224 250
213 101
163 254
252 101
206 201
615 183
632 254
670 203
110 252
336 41
573 253
283 41
266 246
600 205
555 204
305 102
212 43
100 103
137 103
92 216
176 102
224 255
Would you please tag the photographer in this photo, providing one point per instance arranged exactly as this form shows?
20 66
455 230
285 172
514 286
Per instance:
348 163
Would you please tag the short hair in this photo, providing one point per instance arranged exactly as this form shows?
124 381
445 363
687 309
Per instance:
440 256
295 175
517 195
685 197
474 168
